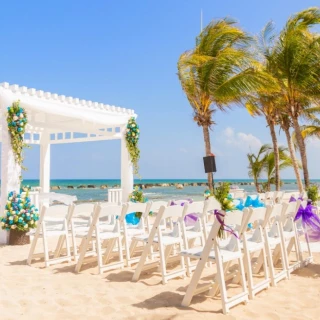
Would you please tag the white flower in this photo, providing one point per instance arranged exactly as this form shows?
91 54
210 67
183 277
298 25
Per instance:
132 197
133 125
2 224
15 118
13 226
28 214
31 221
10 199
21 115
25 226
11 218
133 134
128 130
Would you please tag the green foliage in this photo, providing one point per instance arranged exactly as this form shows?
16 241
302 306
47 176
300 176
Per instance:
137 196
221 193
132 139
19 213
263 163
17 120
313 193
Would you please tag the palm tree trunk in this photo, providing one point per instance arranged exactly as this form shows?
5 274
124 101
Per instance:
206 137
293 157
276 154
302 149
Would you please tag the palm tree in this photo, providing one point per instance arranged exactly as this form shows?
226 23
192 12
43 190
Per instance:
217 72
264 102
257 163
285 125
295 60
264 164
285 161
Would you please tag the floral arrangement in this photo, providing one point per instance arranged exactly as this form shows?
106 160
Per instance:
221 193
137 196
17 120
20 214
313 193
132 139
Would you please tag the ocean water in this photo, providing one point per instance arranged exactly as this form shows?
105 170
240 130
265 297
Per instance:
152 193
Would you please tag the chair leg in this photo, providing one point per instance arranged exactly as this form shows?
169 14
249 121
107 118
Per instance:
193 283
46 251
120 251
59 247
222 284
163 264
32 248
68 246
82 252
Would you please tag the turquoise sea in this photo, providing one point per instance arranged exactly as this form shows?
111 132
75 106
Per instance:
152 193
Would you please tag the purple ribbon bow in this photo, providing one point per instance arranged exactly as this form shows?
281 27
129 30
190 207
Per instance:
191 218
224 227
310 221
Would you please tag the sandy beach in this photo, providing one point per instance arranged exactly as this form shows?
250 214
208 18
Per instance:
58 293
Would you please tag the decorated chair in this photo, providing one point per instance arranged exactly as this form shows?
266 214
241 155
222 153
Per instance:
129 231
52 224
167 242
222 255
196 232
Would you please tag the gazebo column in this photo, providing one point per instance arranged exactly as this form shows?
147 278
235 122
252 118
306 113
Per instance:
45 164
126 171
10 170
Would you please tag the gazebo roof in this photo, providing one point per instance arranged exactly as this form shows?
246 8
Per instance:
57 114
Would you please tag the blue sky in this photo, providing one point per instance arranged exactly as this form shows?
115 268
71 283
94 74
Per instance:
125 53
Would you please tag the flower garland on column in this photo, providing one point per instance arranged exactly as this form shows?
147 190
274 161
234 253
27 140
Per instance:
132 139
17 120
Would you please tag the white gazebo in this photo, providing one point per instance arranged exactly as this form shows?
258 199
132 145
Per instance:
55 119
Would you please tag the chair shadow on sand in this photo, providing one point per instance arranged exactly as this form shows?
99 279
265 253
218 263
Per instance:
169 299
310 271
125 276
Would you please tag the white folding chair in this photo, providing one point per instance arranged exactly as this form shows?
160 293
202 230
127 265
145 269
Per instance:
130 231
222 256
79 220
275 243
166 241
254 243
104 239
289 225
155 207
52 224
193 233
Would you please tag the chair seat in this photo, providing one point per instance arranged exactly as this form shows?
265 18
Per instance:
226 255
193 234
253 245
288 234
168 240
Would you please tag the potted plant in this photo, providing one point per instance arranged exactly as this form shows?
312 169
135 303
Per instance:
20 217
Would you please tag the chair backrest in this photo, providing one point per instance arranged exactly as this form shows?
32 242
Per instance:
257 215
156 205
213 204
173 212
139 207
234 218
289 209
83 210
198 207
57 211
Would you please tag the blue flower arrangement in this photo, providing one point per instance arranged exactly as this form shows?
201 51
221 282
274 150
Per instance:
20 214
17 120
132 139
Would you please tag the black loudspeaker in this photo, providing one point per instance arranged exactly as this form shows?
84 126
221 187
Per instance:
209 164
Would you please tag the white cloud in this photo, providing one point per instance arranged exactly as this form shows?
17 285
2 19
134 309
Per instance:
244 141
